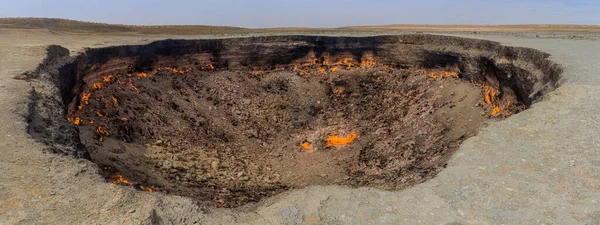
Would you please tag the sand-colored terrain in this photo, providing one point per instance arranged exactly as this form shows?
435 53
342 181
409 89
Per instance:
539 166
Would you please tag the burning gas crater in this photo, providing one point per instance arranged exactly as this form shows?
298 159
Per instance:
228 122
500 107
108 107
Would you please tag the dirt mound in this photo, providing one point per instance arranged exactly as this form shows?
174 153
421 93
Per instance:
229 123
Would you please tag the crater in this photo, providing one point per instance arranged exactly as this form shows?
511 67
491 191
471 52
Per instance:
230 121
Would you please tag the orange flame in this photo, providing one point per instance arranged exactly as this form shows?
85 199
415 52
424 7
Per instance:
149 189
120 180
347 63
76 121
107 78
314 67
322 70
142 74
306 146
490 95
496 111
491 98
367 64
98 86
336 140
133 87
101 131
85 98
443 75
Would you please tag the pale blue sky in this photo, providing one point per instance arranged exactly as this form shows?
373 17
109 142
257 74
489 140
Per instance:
311 13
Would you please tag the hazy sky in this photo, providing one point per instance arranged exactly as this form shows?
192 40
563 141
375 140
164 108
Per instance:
311 13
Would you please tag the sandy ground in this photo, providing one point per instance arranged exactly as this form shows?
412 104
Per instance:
538 167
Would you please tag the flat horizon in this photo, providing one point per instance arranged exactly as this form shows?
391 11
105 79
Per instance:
372 25
310 13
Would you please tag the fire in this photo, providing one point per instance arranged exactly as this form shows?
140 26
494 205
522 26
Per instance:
76 121
443 75
142 74
306 146
347 63
108 78
121 180
85 98
98 86
149 189
101 131
496 111
314 67
490 95
491 98
116 177
115 100
367 64
322 70
174 70
336 140
133 88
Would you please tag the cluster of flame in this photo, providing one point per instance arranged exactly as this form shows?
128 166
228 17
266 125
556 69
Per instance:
314 67
122 81
120 180
492 98
332 140
317 67
491 95
443 75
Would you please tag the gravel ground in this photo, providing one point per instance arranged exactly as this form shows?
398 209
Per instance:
540 166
